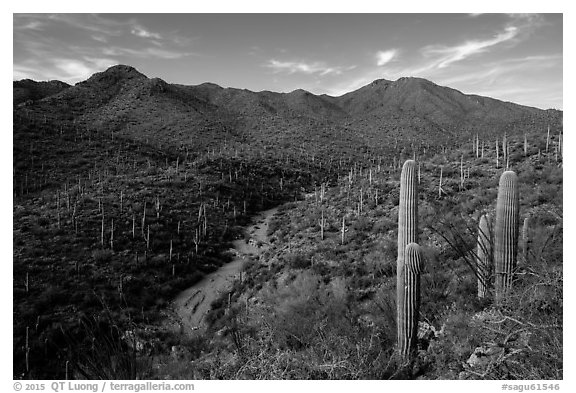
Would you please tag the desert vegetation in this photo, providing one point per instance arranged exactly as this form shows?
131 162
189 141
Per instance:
337 317
128 190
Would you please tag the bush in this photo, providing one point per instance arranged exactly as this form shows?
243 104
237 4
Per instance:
297 260
102 256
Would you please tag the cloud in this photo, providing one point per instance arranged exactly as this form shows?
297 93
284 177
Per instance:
89 22
142 32
384 57
95 43
292 67
146 53
446 55
526 17
100 27
64 69
73 69
495 72
30 25
21 71
348 86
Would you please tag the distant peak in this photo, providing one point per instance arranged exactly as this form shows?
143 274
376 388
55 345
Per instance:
380 82
115 73
412 80
123 69
210 85
299 92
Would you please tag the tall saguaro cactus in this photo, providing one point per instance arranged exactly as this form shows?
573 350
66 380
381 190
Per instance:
506 232
408 316
484 255
407 228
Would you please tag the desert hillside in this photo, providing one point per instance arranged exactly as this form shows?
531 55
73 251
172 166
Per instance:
129 190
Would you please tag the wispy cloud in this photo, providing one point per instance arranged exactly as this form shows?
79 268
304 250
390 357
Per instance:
64 69
445 55
100 27
384 57
147 52
100 38
42 53
292 67
526 17
498 77
89 22
77 70
492 73
27 24
142 32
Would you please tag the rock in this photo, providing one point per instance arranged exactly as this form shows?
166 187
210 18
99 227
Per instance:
426 331
366 321
179 352
484 355
222 332
485 316
136 343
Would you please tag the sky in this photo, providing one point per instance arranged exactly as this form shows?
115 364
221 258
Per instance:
512 57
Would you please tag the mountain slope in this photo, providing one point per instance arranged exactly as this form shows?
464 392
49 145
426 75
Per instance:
123 100
26 90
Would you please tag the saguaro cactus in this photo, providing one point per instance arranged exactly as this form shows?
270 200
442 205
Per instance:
506 232
407 227
322 223
440 189
408 315
484 255
497 153
526 240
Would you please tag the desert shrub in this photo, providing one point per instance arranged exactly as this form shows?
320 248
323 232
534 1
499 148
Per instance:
102 255
308 331
273 225
43 221
449 352
297 260
362 224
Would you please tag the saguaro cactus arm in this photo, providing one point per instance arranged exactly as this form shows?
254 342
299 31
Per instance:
526 240
484 255
409 314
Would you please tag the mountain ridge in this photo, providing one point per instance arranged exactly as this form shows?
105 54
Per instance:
121 71
412 108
